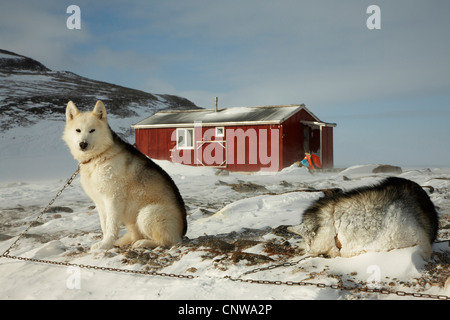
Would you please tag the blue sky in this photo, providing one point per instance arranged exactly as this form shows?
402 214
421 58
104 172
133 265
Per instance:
388 90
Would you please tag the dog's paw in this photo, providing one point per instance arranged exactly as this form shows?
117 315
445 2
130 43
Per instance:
102 245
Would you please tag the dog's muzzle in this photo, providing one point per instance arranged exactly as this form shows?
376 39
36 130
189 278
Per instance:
83 145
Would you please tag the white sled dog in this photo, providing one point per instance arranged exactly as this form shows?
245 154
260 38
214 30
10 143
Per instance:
396 213
126 186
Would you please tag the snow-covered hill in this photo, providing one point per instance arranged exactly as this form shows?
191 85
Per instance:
30 92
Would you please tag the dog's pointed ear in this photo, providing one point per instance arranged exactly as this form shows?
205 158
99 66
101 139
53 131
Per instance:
100 110
71 111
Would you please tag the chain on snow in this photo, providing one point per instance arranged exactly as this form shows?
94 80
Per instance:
6 253
366 289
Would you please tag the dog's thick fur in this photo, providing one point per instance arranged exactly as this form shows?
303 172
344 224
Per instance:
396 213
126 186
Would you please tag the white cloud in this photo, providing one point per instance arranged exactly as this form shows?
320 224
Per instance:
32 29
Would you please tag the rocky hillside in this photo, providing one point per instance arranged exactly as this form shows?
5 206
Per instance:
30 92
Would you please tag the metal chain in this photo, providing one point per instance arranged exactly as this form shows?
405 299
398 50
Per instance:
86 266
341 287
6 253
284 264
366 289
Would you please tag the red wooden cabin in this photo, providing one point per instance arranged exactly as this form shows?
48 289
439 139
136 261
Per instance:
237 139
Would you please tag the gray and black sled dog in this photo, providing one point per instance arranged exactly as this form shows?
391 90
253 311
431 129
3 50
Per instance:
395 213
126 186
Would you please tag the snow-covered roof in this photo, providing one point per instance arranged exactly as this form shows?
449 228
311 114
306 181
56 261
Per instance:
222 117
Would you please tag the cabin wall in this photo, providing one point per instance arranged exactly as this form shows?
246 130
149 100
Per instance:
254 148
243 148
155 142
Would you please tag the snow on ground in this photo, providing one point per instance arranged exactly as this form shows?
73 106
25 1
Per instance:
235 225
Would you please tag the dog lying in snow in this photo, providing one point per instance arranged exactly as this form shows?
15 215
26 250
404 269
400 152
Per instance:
395 213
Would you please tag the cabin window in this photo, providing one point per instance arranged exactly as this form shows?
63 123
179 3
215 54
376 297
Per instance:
220 132
185 138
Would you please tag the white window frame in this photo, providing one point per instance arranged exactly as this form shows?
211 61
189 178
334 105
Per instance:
220 132
185 132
